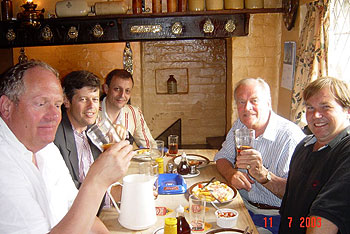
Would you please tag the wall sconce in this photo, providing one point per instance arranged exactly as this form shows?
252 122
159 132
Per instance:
30 16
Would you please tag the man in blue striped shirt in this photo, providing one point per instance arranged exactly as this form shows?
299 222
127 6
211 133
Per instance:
260 174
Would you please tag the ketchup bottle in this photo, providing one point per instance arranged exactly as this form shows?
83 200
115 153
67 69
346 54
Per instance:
182 225
183 168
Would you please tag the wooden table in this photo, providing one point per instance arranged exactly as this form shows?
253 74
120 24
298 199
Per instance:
109 216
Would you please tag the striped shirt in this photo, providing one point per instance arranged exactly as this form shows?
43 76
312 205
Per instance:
276 146
133 120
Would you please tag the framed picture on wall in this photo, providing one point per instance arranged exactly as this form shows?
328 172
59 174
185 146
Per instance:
288 65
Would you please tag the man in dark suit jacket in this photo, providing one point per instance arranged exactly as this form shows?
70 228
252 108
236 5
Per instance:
66 143
81 104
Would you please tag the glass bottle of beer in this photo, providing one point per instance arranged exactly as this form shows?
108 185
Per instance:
183 168
172 85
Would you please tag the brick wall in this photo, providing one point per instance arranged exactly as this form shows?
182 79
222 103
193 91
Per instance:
206 106
200 69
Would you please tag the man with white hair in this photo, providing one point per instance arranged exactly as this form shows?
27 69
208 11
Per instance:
260 173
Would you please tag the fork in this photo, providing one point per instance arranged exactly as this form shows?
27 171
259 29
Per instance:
217 199
246 230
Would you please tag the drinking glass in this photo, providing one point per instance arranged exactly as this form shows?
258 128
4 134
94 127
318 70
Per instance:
244 138
173 144
103 134
157 149
197 213
150 169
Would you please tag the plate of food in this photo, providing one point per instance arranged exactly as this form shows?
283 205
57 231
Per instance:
216 191
193 159
143 154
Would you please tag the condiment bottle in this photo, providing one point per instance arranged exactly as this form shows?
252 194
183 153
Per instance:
6 10
170 167
183 168
182 225
160 162
170 226
172 85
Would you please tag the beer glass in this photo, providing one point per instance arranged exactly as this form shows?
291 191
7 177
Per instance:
244 138
103 134
197 213
173 144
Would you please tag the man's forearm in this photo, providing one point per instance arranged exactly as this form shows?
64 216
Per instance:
277 185
82 215
225 168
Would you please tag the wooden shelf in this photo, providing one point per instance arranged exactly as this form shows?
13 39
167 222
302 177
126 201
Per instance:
128 27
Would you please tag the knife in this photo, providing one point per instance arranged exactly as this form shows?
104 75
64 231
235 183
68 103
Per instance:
211 180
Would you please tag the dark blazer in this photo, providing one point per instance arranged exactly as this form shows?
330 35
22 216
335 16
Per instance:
65 142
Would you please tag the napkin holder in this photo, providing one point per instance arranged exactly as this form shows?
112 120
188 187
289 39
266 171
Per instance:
171 184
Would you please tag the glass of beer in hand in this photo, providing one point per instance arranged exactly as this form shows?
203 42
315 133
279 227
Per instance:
103 134
244 138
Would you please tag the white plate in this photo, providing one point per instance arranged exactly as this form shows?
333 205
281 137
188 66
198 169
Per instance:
204 161
159 231
142 155
226 231
191 175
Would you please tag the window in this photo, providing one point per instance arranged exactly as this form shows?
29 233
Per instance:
339 40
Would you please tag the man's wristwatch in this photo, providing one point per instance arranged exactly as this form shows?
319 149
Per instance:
268 178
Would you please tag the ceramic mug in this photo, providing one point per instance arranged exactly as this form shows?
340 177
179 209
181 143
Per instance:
196 5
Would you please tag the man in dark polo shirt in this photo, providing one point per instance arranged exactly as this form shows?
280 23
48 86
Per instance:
317 199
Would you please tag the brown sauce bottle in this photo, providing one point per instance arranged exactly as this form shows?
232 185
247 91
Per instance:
183 168
182 225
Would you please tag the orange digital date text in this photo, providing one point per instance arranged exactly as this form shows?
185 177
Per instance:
307 222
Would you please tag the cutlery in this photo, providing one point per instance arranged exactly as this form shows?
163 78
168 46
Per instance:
215 206
211 192
211 180
246 230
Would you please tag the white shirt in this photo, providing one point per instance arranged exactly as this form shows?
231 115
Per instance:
32 200
276 146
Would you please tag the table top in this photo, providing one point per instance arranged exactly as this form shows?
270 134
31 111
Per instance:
109 216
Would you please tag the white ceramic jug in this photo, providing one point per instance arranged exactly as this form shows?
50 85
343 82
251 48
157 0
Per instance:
137 210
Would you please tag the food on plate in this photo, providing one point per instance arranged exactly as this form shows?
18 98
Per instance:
142 151
215 190
194 162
